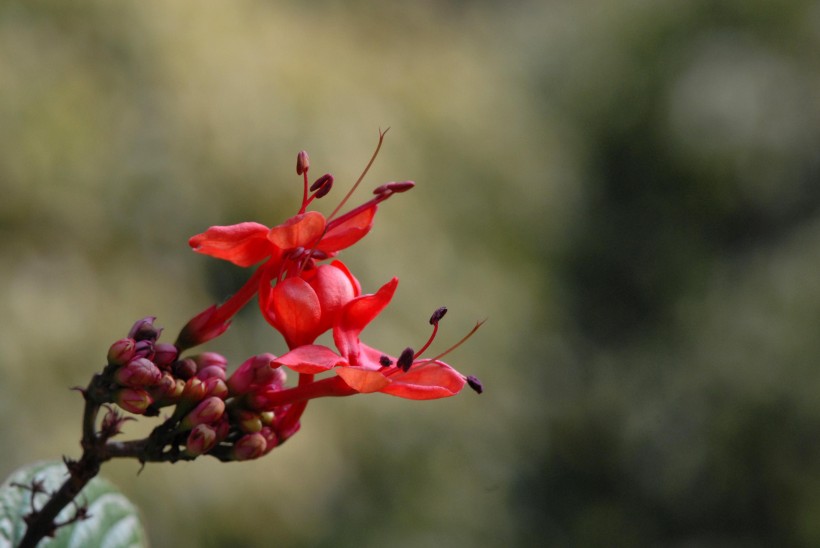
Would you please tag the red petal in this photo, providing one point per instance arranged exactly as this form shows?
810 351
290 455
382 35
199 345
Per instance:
334 289
428 381
349 231
357 287
244 244
311 359
296 310
356 315
299 231
363 380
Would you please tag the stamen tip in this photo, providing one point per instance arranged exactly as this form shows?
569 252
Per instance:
475 384
438 315
302 162
384 361
405 359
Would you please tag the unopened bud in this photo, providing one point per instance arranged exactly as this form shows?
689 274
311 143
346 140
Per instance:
208 359
121 352
201 440
144 349
302 162
208 411
193 391
144 329
139 373
165 354
184 369
250 446
212 371
214 386
248 421
167 390
133 400
255 371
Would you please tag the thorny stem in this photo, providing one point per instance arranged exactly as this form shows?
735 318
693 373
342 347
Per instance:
161 445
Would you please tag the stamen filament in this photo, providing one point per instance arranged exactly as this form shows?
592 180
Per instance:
459 343
429 341
361 177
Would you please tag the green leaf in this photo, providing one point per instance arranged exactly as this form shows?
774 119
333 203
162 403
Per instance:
113 521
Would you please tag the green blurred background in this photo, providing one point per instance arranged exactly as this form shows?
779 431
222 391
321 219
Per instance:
627 189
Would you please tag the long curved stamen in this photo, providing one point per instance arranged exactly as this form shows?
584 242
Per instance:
361 177
459 343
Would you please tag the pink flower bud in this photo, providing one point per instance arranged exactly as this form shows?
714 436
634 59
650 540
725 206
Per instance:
167 390
139 373
212 371
121 351
133 400
184 369
248 421
250 446
144 330
214 386
201 440
144 349
223 428
208 411
193 391
208 359
165 354
255 371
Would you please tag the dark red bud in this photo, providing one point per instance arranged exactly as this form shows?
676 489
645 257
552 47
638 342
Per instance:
144 330
438 315
184 369
405 359
165 354
302 162
475 384
144 349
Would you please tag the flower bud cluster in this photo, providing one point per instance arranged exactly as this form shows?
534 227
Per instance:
212 411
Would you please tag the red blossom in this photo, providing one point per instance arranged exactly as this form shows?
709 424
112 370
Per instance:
361 368
287 254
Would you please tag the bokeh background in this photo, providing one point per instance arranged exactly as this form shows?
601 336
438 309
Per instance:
627 189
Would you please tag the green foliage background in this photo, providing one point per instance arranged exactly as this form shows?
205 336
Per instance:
627 189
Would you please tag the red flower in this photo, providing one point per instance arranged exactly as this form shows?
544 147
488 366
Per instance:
289 252
361 368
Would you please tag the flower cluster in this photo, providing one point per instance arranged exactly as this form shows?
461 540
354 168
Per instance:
303 292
